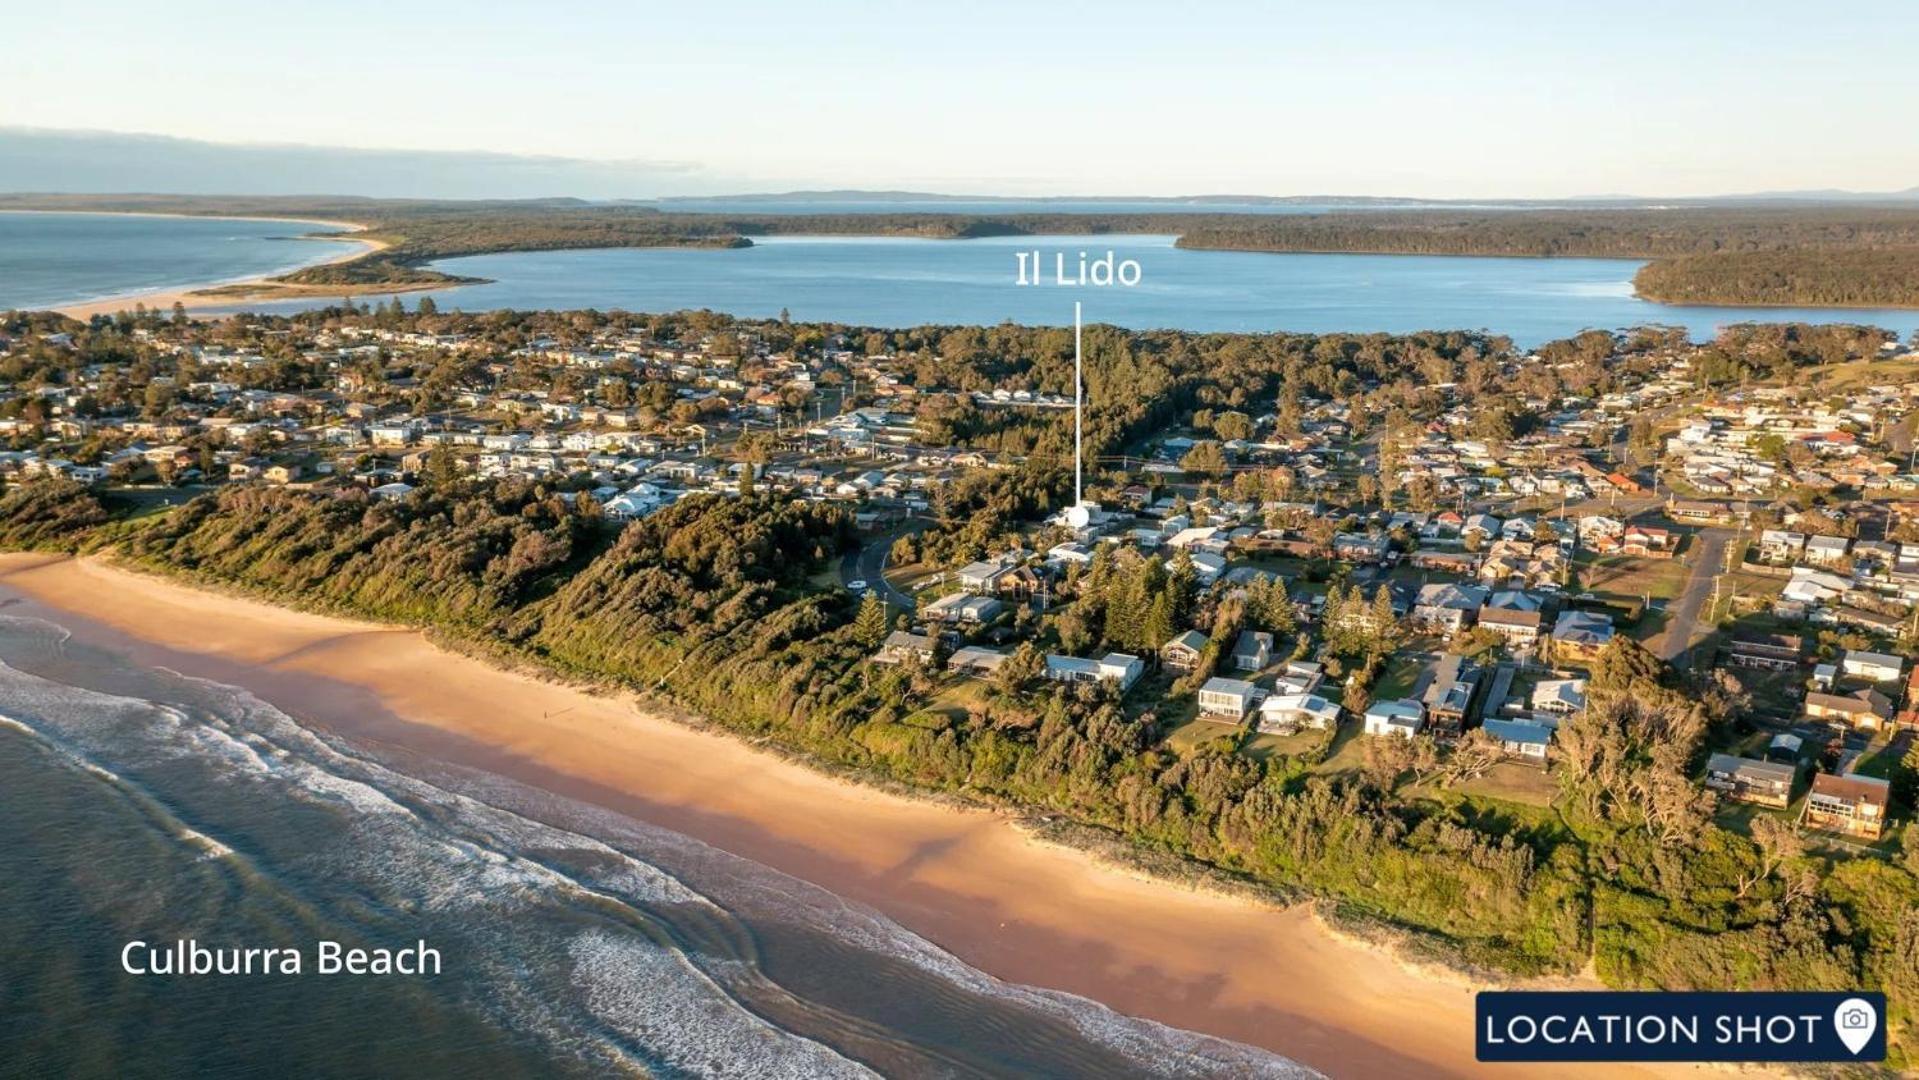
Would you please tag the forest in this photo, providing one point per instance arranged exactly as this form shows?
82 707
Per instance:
1803 254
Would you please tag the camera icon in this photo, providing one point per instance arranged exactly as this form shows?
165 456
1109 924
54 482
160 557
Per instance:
1856 1018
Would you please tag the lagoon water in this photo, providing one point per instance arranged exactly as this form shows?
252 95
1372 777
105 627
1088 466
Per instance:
895 282
49 259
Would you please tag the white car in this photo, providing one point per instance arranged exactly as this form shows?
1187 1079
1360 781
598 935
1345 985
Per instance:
857 585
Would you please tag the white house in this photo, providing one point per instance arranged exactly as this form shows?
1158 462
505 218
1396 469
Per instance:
1120 669
1400 717
1253 650
1561 696
1520 739
1207 567
1284 713
1826 550
964 608
1878 667
1226 699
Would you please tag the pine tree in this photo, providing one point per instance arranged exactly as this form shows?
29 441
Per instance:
1157 629
869 626
1126 607
1181 585
1385 625
442 468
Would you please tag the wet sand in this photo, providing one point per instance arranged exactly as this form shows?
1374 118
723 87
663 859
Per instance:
202 295
969 880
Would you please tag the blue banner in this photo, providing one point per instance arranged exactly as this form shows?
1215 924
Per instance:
1613 1025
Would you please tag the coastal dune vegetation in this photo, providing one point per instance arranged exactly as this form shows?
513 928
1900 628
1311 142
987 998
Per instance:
1763 253
714 603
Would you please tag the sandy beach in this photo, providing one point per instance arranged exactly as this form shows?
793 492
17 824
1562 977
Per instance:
971 881
203 295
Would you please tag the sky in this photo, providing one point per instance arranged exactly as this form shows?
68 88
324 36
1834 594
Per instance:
1442 100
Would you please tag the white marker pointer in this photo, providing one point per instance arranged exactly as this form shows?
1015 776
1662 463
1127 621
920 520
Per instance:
1855 1020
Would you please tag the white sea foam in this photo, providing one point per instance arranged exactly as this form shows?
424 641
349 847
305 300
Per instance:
1154 1048
658 997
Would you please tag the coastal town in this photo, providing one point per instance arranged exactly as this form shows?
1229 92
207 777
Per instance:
1427 600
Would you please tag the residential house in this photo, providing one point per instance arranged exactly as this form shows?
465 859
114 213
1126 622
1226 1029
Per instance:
1521 739
1648 541
1560 697
1285 713
1299 677
1578 636
1207 567
1361 548
1851 805
1780 546
1826 551
1399 717
1872 666
1183 652
982 577
963 608
901 646
1447 608
1119 669
1452 696
1519 627
1253 650
1747 780
1226 699
1864 710
975 660
1765 652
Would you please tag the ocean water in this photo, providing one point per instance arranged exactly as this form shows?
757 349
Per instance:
893 281
53 259
138 804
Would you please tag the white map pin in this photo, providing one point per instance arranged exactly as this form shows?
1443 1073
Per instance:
1855 1020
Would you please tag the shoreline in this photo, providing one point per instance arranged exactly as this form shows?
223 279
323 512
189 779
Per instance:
195 295
972 881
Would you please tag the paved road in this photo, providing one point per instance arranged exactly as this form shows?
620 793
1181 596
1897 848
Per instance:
1708 558
868 564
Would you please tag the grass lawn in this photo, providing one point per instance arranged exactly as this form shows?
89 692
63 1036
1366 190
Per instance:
1397 678
1265 747
1506 782
1513 781
1882 756
1348 751
1192 732
1739 816
1886 372
1635 577
956 698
